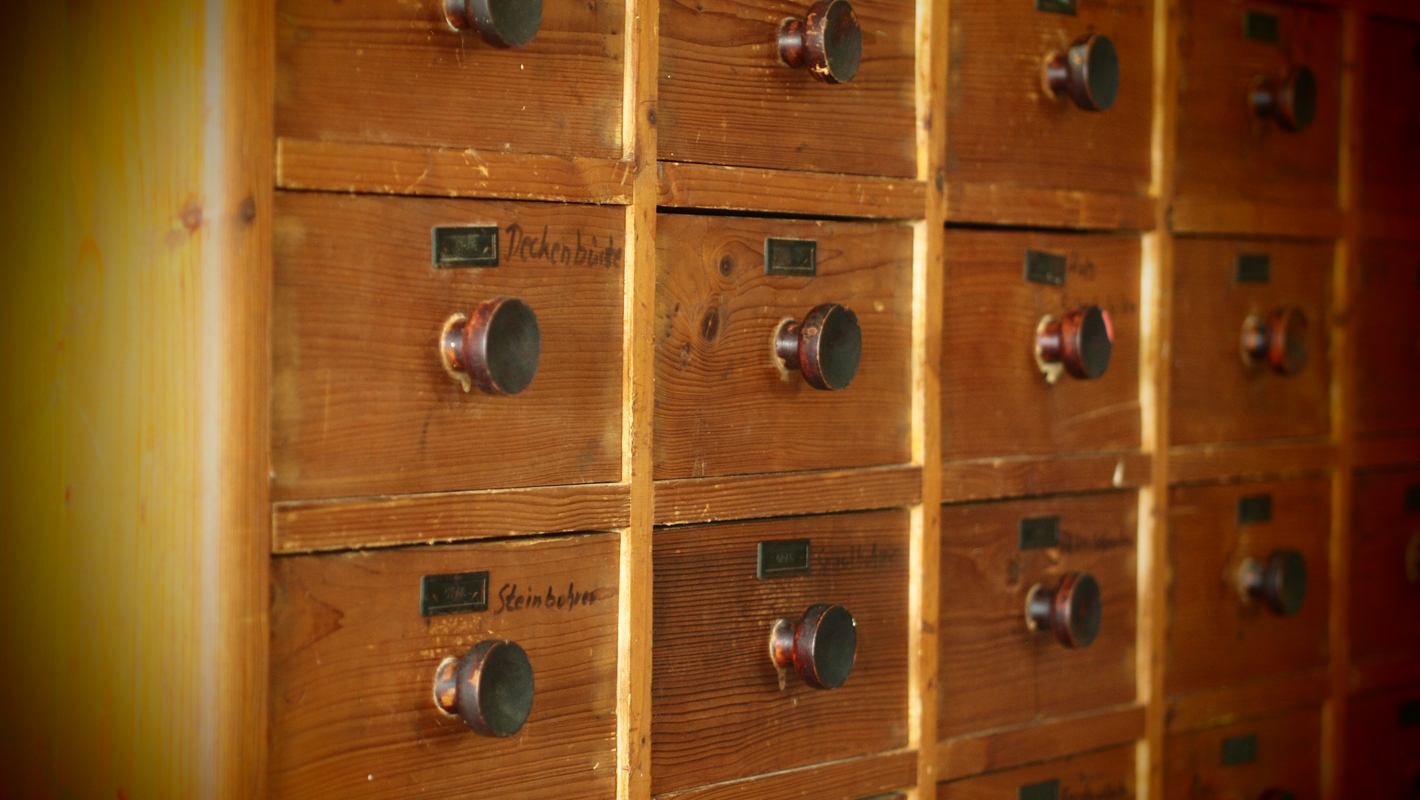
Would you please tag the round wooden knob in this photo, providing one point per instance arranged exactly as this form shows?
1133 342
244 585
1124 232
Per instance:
820 647
497 348
1088 72
827 40
1082 342
825 347
490 688
1290 100
1279 341
1071 610
1279 581
501 23
1412 558
1276 794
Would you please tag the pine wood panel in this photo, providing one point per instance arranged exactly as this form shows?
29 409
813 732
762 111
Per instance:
1387 324
1103 774
716 499
353 664
1004 748
1273 459
875 776
1006 204
361 404
1385 605
1216 397
1006 129
397 73
1224 150
718 712
1221 705
1289 750
1382 748
781 191
1215 637
994 478
1390 167
726 98
1233 217
724 405
995 401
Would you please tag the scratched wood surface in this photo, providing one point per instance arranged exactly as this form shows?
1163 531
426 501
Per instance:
875 776
1224 149
1101 774
1006 129
1390 162
1383 744
1385 602
1214 636
397 73
361 404
1016 745
718 709
1387 330
1289 748
726 98
1215 397
353 663
724 405
995 401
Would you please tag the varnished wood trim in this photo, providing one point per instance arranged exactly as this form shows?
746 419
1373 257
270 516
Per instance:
308 526
1390 226
1201 463
1004 748
1004 204
693 500
445 172
838 780
1386 452
1226 216
785 192
992 478
1228 704
1385 671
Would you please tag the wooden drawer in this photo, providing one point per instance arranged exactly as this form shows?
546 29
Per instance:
353 663
726 97
1391 157
1385 563
1224 148
725 403
361 403
1216 636
720 708
1387 339
397 73
1247 760
994 670
995 399
1101 774
1219 395
1383 744
1005 127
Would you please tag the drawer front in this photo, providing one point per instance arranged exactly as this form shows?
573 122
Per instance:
354 659
1224 148
996 400
1247 759
1383 744
727 97
1103 774
1388 339
995 670
1391 157
721 709
1385 563
1008 126
1218 634
1221 394
725 402
397 73
362 404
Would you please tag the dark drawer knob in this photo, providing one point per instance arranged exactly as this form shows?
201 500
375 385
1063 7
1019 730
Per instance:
501 23
820 647
825 347
1279 340
1088 72
497 348
490 688
1081 342
1412 558
1290 99
1071 610
827 40
1276 794
1279 581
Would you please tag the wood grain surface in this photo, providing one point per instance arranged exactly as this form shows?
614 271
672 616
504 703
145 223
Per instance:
1013 746
1232 217
873 776
1385 605
1387 325
692 500
1008 204
782 191
724 404
1102 774
719 712
995 401
361 404
1382 755
1006 128
1215 637
1223 705
397 73
353 663
726 98
1201 463
1020 476
1289 750
1390 162
1215 396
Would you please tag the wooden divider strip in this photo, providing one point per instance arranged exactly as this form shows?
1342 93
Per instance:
780 191
1018 745
694 500
1021 476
